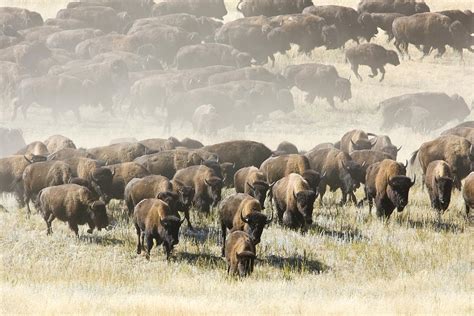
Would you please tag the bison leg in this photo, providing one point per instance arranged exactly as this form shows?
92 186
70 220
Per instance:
224 232
309 98
355 70
186 215
330 100
272 58
374 72
382 70
27 203
139 244
73 226
48 221
467 209
167 248
441 51
149 245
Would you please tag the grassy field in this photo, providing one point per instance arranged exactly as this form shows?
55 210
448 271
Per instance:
349 262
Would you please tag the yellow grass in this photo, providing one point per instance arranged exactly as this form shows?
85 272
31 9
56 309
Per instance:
348 263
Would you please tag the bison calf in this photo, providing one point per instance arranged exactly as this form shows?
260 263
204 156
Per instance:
155 220
240 254
74 204
372 55
439 181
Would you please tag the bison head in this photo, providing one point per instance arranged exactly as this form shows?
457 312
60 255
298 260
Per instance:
214 188
305 203
362 144
98 214
228 171
245 263
392 150
445 187
392 58
258 190
313 178
169 198
398 189
102 179
169 232
460 37
255 222
343 89
421 7
368 26
357 175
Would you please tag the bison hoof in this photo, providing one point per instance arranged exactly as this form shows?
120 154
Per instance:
89 231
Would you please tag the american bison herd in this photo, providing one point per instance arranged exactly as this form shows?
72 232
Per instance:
177 61
157 179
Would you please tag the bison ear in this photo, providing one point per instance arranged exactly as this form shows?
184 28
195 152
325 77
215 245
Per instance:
398 149
363 164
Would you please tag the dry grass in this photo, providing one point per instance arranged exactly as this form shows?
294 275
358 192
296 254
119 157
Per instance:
348 263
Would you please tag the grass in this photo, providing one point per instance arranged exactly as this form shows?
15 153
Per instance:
348 263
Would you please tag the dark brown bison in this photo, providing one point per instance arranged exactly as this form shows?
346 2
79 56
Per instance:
240 254
468 192
339 170
160 144
384 144
465 17
242 212
439 182
405 7
73 204
211 54
243 153
256 36
252 181
356 140
68 39
149 187
367 157
123 173
307 31
440 109
167 162
69 153
272 7
372 55
384 21
349 23
207 186
118 153
35 148
432 31
191 143
294 201
387 184
19 19
156 221
318 80
58 142
210 8
103 18
247 73
455 150
286 148
40 175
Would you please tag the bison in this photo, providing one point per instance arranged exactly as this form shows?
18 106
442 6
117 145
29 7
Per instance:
252 181
118 153
58 142
240 254
405 7
74 204
468 192
387 184
384 144
294 201
439 182
356 140
209 8
318 80
207 186
156 221
372 55
211 54
272 7
123 173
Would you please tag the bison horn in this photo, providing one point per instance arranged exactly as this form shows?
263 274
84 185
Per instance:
353 144
414 180
324 175
245 220
371 135
233 166
250 186
26 158
406 164
207 182
182 221
373 141
363 164
398 149
294 194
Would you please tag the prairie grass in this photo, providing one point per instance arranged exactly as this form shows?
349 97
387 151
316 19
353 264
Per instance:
348 263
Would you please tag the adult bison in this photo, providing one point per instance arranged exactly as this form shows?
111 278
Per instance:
252 181
384 144
340 171
405 7
439 108
318 80
103 18
349 23
207 186
240 254
356 140
272 7
365 158
465 17
243 153
431 31
257 73
58 142
387 183
468 192
211 54
466 132
118 153
439 182
455 150
19 19
384 21
294 201
123 173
